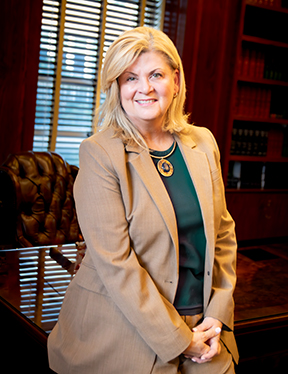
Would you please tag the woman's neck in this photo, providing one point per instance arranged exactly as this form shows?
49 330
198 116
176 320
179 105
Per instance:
158 141
156 138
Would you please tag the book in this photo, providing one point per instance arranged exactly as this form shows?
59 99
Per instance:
275 142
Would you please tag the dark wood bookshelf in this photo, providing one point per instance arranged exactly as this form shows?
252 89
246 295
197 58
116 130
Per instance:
258 158
281 121
275 7
256 190
256 165
259 40
264 81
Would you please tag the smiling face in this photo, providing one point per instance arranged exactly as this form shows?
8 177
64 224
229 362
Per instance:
147 88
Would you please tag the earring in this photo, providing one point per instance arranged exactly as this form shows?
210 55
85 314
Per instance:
175 95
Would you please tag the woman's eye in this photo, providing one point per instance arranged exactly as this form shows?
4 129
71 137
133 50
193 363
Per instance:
156 75
131 79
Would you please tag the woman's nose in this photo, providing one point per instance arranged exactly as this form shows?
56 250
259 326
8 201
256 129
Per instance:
145 86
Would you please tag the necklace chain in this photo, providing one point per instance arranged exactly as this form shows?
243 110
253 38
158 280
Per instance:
169 154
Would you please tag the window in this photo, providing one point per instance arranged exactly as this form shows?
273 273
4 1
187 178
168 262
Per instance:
75 35
43 283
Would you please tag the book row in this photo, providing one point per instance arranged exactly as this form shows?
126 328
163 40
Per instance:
258 175
253 102
247 141
258 64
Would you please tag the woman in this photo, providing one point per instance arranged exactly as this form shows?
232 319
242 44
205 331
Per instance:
154 291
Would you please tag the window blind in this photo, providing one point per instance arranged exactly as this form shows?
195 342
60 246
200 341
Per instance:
43 284
75 36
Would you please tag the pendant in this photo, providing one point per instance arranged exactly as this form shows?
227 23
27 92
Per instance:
165 168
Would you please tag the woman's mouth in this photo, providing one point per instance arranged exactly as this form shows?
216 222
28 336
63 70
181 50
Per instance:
146 102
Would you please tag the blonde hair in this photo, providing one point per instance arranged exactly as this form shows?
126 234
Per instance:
120 55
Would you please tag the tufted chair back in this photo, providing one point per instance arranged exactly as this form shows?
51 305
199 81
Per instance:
36 200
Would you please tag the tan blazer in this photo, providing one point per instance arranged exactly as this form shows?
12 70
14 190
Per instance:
118 311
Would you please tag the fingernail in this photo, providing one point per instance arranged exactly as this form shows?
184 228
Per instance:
218 330
193 359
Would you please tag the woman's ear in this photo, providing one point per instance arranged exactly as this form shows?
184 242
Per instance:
176 82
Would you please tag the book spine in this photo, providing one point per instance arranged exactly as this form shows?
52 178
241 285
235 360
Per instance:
285 143
275 143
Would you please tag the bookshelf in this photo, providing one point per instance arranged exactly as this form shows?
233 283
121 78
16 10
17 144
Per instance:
256 159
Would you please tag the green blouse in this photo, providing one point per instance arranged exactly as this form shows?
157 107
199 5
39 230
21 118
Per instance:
192 240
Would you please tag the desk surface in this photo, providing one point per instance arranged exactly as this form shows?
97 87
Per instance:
34 282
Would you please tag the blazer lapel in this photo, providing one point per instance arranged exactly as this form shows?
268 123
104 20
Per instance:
144 167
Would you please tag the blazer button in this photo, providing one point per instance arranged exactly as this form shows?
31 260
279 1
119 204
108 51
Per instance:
208 273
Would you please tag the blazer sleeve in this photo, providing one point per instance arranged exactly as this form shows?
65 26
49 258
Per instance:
221 305
101 214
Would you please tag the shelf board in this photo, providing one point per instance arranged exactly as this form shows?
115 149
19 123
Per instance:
268 7
281 121
256 39
272 82
257 158
255 190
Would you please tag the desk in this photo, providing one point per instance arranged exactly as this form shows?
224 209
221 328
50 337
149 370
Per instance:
33 285
32 288
261 308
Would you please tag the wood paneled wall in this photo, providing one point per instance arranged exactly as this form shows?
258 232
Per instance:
20 23
205 33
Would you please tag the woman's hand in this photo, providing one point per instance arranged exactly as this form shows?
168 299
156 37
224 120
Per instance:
206 341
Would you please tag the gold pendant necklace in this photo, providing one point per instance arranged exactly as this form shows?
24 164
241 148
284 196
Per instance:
165 167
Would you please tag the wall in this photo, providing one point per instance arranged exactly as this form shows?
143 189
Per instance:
205 33
20 23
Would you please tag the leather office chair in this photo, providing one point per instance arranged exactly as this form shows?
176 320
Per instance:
36 201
